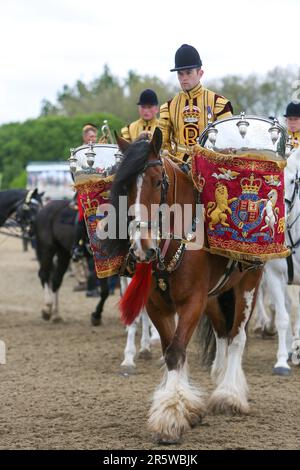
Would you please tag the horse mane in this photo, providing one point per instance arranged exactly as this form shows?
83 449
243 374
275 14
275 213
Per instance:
133 163
8 202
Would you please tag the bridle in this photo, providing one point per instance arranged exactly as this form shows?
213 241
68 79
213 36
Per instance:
25 213
137 225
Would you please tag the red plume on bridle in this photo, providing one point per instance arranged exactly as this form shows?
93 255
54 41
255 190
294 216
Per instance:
136 294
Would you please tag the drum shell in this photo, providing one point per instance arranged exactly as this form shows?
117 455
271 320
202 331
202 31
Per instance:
257 139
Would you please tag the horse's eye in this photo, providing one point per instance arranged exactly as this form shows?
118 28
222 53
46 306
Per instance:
158 183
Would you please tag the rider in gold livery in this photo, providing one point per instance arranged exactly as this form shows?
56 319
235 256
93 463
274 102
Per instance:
184 118
292 116
148 109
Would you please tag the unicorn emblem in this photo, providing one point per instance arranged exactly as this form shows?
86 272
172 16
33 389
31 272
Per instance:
270 211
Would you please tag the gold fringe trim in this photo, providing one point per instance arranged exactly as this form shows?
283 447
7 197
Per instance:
217 157
107 272
91 186
109 266
240 256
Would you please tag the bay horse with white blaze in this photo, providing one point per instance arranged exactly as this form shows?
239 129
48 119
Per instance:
148 179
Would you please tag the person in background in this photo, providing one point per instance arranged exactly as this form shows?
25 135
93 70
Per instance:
80 247
292 116
146 124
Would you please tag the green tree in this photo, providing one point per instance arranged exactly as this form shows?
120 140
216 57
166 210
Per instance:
43 139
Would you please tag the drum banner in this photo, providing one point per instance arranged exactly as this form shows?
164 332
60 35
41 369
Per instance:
243 198
92 195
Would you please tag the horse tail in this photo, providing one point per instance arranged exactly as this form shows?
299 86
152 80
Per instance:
210 207
206 336
206 340
136 294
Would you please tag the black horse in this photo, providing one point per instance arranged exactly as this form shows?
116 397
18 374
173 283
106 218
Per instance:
55 233
24 204
12 199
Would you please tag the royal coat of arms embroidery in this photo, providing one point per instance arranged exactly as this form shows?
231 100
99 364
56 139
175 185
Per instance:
244 205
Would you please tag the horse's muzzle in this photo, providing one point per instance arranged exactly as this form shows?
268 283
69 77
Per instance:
151 254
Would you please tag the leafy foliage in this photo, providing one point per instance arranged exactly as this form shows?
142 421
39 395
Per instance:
43 139
49 137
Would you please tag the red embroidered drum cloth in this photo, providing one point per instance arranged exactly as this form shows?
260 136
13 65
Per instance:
243 198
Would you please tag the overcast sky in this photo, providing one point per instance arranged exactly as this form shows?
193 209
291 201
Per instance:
48 43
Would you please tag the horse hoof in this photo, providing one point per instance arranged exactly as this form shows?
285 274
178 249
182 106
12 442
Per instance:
127 370
267 334
57 320
46 315
95 320
167 441
283 371
227 404
258 330
145 354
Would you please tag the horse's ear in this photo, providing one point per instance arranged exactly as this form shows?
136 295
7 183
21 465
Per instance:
156 141
35 192
123 144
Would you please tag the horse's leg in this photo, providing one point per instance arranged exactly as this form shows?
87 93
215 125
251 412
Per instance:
230 396
130 350
154 334
260 314
145 352
295 346
63 259
96 316
216 317
46 267
264 323
177 405
277 287
47 309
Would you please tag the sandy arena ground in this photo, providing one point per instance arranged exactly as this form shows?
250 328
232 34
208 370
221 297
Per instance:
62 389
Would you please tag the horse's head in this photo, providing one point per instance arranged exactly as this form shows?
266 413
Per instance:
27 210
141 176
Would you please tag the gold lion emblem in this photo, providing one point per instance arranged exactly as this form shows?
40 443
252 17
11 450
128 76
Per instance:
216 211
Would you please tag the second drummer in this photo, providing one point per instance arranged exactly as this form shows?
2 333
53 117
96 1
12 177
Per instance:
292 116
145 126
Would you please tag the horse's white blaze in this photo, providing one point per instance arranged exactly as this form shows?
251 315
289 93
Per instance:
232 390
176 406
220 361
139 252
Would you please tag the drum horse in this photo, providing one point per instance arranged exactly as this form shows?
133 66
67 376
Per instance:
190 283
